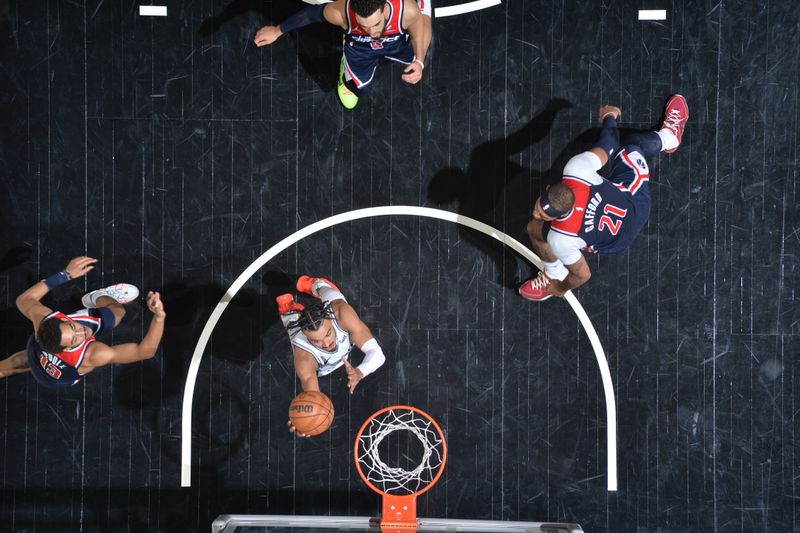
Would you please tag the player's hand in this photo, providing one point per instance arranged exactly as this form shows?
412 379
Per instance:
606 110
155 305
294 430
354 375
80 266
267 35
413 73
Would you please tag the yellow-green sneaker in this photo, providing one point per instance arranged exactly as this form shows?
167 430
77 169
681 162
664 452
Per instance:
346 96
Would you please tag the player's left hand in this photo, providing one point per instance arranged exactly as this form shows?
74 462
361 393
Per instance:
80 266
155 305
294 430
413 72
354 375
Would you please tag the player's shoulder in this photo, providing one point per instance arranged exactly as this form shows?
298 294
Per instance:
336 13
584 166
343 311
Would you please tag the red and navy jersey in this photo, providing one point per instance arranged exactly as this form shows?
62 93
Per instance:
393 34
62 368
607 215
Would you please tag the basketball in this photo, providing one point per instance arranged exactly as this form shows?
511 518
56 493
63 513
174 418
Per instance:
311 412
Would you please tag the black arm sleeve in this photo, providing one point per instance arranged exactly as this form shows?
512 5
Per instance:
306 16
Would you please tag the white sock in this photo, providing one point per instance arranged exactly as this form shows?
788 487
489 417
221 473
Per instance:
556 270
289 317
668 139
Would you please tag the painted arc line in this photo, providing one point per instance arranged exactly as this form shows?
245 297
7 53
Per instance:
439 12
153 11
460 9
391 210
652 14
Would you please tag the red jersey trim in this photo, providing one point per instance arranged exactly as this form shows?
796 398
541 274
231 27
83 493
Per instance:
73 356
640 178
393 26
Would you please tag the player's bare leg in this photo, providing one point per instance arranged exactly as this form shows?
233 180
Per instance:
114 306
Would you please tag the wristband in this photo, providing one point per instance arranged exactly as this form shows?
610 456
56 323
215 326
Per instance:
57 279
418 61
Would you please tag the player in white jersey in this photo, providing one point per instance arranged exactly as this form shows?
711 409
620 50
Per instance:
322 335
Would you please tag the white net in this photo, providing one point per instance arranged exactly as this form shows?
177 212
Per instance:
396 480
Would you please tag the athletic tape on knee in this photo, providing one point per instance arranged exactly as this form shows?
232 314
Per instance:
373 357
556 270
327 293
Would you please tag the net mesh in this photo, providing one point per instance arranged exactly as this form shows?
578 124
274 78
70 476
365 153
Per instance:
396 480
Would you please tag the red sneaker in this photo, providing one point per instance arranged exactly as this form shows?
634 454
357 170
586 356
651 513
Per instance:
286 304
535 289
676 113
306 284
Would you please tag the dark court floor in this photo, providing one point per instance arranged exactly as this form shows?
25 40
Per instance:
176 152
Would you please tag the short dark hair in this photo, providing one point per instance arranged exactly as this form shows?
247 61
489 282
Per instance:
312 317
365 8
49 336
561 197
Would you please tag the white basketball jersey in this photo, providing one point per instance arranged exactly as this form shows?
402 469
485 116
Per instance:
327 361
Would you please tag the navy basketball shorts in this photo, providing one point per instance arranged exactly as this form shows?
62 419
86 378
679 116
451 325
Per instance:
630 171
360 62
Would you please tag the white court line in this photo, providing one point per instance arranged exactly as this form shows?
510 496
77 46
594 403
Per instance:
439 12
460 9
153 11
652 14
391 210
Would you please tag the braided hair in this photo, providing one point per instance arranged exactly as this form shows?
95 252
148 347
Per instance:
49 336
312 317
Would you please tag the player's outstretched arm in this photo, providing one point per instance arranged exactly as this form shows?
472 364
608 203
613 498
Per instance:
332 13
29 303
363 338
414 24
305 366
607 145
100 354
14 364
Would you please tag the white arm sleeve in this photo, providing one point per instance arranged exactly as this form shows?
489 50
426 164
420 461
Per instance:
373 357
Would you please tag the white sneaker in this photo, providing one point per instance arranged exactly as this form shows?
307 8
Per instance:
121 292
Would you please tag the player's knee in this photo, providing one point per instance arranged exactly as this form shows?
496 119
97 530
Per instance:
119 313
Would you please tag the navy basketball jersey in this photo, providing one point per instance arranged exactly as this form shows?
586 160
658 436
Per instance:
61 369
392 39
604 216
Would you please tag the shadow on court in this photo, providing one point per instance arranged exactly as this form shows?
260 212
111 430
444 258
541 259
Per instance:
497 191
318 46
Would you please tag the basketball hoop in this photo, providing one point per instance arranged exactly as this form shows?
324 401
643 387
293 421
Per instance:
399 486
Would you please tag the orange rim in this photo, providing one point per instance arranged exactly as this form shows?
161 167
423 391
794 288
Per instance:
407 408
